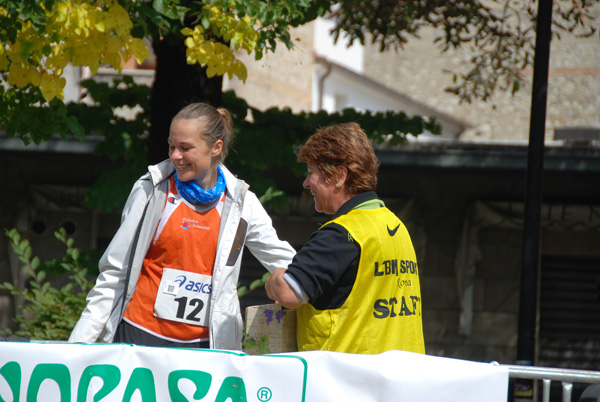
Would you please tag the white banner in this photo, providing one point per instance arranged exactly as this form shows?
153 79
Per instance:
60 372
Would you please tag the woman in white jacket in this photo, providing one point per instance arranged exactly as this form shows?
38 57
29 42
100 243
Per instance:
169 276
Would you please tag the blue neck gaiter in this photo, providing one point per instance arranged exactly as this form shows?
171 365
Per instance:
193 193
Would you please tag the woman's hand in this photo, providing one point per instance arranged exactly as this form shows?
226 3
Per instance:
280 291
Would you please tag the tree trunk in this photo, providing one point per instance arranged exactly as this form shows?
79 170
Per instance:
176 85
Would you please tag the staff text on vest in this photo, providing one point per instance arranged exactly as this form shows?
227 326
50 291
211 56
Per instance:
393 307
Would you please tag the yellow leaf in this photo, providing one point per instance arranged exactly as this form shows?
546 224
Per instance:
197 36
33 77
140 50
220 68
93 68
243 73
16 75
100 25
3 62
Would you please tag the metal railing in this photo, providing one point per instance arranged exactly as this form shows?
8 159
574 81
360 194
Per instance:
566 376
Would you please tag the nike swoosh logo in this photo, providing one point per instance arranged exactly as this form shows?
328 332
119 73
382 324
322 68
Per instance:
393 231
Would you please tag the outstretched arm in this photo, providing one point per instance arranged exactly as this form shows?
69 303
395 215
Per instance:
278 289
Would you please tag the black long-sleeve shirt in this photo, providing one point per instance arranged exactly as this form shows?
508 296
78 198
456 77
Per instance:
326 266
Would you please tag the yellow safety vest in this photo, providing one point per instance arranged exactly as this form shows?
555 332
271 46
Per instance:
383 310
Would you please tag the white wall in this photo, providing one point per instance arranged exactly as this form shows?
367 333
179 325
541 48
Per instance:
350 57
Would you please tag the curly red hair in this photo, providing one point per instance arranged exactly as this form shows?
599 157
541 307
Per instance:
347 145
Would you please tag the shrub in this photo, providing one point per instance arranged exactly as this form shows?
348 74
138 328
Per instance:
48 312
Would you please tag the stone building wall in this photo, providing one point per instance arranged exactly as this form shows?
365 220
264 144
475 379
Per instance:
421 71
280 79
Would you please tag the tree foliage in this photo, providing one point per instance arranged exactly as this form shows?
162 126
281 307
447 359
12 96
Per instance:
39 39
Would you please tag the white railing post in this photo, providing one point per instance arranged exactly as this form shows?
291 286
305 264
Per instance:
549 374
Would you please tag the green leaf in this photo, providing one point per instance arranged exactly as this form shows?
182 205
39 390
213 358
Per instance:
26 49
270 194
161 5
14 235
205 22
28 252
242 291
256 283
41 276
75 128
181 13
23 245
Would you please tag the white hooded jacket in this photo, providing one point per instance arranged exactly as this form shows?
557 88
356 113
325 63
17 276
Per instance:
244 221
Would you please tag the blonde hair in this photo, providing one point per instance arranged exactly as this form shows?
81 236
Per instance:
216 124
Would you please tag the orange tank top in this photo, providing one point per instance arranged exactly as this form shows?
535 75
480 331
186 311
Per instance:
185 241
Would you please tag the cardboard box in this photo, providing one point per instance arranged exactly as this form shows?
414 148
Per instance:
270 328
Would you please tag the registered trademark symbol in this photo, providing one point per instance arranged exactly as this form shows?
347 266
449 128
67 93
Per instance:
264 394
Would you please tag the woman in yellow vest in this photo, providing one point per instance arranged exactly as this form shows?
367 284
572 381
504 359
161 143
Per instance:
355 284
